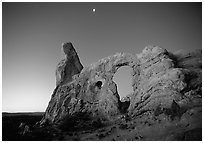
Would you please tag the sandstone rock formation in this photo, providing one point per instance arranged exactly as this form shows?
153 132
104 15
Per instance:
92 91
159 81
164 84
68 66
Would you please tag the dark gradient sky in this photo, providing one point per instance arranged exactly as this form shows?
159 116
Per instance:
33 33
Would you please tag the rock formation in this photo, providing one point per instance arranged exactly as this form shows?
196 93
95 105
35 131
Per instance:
163 84
92 91
68 66
159 81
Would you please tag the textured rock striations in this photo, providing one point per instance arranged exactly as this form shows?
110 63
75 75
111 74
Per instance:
159 82
163 84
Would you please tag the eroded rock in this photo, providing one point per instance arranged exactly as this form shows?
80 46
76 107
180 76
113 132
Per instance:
163 83
92 91
159 81
69 65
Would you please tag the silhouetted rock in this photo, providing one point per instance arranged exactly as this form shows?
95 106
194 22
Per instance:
124 104
125 99
23 129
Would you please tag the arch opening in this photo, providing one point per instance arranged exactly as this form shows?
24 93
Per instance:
123 80
99 84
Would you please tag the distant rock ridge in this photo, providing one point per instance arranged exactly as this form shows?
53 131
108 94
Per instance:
161 80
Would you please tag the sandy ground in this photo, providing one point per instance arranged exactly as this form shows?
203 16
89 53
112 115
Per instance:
145 128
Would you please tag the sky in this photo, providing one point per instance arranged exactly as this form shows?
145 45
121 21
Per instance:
32 34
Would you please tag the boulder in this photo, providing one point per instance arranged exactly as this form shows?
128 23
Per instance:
24 129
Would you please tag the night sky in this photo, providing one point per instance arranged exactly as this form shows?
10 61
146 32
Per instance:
33 34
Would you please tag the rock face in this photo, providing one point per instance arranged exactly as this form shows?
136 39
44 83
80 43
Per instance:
68 66
159 82
163 83
92 91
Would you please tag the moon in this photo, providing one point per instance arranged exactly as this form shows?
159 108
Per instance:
94 10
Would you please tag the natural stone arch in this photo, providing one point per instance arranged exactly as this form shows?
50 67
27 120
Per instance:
123 78
163 86
92 90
